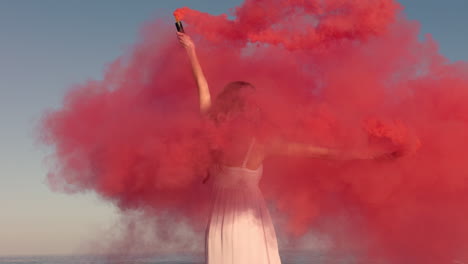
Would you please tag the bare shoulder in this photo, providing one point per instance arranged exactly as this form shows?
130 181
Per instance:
271 146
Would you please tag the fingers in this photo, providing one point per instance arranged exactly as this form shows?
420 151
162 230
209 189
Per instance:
182 37
185 40
388 156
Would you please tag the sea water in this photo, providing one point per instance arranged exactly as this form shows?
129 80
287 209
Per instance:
286 257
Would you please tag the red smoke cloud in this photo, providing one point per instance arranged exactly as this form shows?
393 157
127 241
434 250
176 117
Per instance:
348 74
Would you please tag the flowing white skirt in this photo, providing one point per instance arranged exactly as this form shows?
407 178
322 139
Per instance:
240 229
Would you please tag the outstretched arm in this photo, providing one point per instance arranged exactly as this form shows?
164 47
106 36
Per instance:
203 89
305 150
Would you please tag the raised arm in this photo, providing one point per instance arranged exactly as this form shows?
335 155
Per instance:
203 89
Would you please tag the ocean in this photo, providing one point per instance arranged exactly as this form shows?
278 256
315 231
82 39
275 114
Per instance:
287 258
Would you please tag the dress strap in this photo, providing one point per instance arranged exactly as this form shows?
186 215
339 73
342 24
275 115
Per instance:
248 153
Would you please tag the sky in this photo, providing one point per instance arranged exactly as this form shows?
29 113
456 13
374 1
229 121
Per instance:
49 45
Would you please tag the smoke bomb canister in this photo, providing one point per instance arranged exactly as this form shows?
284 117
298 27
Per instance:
179 26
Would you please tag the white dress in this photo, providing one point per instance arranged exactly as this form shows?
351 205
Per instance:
240 230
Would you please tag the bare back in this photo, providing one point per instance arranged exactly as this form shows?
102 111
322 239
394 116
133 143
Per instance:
244 153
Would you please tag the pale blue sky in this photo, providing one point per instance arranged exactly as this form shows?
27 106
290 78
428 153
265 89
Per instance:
48 45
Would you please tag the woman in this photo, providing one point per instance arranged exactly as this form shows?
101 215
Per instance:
240 230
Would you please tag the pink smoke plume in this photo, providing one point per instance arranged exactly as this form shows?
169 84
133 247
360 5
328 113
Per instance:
345 74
